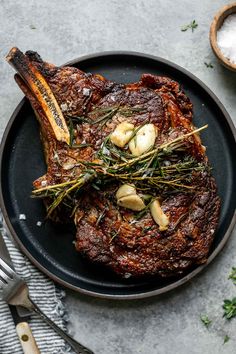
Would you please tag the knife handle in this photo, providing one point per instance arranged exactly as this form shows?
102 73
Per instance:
26 338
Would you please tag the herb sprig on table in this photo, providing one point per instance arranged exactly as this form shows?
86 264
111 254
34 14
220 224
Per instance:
226 338
229 307
205 320
232 275
209 65
192 25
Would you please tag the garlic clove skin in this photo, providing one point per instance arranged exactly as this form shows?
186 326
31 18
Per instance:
143 140
122 134
133 202
159 216
125 190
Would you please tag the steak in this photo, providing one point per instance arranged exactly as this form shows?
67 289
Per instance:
77 112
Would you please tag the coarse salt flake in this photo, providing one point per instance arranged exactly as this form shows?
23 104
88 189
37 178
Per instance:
22 217
226 38
39 223
64 107
86 91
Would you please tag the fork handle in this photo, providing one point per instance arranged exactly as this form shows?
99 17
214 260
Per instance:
26 338
77 347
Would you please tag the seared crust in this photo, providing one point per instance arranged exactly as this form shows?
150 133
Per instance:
108 234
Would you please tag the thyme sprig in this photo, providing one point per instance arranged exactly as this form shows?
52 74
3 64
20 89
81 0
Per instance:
193 25
205 320
148 171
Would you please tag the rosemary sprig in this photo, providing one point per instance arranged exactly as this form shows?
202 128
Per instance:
163 147
105 113
106 116
71 131
147 171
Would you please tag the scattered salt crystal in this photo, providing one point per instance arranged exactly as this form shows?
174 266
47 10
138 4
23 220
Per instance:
226 38
64 107
22 217
86 91
39 223
127 275
43 183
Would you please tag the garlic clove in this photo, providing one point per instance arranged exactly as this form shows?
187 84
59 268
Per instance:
125 190
122 134
143 140
159 216
133 202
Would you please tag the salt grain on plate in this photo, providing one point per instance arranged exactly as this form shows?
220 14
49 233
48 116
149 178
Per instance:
64 107
39 223
86 91
22 217
226 38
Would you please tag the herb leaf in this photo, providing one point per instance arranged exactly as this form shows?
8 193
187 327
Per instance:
193 25
71 131
209 65
205 320
232 275
226 338
229 307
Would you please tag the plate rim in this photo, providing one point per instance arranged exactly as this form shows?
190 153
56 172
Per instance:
66 284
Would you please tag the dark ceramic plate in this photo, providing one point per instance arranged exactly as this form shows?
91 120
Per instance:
50 246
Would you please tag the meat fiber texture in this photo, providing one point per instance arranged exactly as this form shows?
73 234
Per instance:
108 234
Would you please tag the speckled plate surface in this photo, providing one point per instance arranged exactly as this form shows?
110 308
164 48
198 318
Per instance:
50 247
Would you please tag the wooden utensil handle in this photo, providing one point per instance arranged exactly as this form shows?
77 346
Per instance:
26 337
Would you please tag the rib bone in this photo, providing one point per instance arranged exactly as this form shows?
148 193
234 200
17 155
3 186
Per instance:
41 91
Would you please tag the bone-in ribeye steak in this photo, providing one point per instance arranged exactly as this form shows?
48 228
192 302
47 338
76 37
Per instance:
124 240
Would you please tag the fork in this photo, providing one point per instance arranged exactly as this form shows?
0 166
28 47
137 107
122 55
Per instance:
14 291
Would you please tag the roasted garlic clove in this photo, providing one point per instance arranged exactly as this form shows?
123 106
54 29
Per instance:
122 134
125 190
143 140
133 202
158 215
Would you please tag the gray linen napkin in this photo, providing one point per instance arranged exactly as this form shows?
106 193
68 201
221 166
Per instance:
47 296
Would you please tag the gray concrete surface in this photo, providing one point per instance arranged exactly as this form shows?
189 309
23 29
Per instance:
62 30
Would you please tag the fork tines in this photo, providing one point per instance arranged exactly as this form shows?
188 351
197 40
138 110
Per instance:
6 272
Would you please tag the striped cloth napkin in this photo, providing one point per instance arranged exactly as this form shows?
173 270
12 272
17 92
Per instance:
47 296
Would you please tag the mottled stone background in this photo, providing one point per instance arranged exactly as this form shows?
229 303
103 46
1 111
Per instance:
63 30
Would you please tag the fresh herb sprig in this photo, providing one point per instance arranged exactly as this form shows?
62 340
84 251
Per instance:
101 115
226 338
192 25
147 171
232 275
205 320
209 65
229 308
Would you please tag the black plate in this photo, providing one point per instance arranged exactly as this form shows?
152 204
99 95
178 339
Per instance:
50 246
